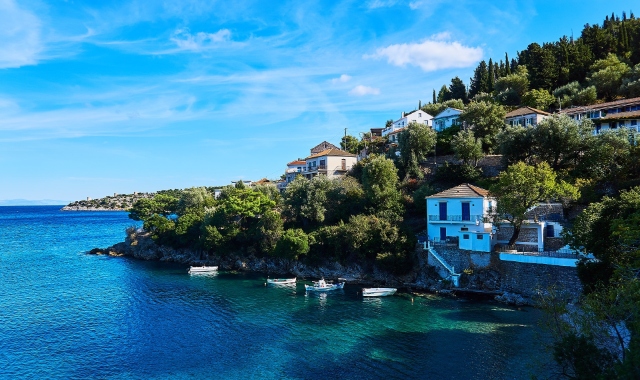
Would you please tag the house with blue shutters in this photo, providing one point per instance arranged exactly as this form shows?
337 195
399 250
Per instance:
461 213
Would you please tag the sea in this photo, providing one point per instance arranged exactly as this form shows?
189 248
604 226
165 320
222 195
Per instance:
66 314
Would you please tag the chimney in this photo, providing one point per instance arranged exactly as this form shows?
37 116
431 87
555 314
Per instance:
402 114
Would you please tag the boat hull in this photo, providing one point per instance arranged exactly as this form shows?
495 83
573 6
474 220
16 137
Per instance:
202 269
324 288
281 281
378 292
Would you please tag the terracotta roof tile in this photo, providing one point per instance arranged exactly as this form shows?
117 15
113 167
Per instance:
462 191
296 162
331 152
525 111
622 116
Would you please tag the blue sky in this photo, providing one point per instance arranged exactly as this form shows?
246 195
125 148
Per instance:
99 97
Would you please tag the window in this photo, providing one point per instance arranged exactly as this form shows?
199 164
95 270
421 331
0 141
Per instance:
550 230
464 229
465 236
634 122
479 237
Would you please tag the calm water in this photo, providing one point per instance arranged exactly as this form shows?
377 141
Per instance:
68 315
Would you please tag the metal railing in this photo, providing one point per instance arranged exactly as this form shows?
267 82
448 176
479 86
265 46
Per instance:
560 253
456 218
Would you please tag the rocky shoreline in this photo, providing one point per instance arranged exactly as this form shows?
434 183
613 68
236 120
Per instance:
424 278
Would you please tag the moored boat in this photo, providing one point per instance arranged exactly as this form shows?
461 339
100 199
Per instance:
203 269
324 286
378 292
281 281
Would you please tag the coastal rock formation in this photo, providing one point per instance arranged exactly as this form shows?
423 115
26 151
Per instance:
139 244
117 202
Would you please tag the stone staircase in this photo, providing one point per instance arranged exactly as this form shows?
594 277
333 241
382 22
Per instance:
445 270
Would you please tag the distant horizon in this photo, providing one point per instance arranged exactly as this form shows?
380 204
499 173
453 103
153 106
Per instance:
33 202
143 96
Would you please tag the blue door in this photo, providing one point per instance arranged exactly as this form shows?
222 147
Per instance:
443 233
466 212
443 210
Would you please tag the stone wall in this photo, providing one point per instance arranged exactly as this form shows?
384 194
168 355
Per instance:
528 279
529 235
486 272
553 243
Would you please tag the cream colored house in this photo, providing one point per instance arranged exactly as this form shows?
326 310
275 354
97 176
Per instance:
525 116
330 162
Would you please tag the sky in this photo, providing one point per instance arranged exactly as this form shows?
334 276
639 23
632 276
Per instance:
103 97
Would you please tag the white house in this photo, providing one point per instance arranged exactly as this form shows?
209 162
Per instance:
448 117
525 116
417 116
461 212
294 169
623 113
331 162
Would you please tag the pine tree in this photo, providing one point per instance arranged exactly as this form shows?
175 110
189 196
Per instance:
479 81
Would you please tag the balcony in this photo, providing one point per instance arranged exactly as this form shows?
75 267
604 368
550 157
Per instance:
317 168
457 218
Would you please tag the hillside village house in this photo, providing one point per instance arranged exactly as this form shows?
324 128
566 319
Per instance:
417 116
330 162
448 117
623 113
294 168
463 213
525 116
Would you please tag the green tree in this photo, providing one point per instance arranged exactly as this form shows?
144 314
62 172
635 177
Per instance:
540 99
515 143
521 187
416 141
380 184
292 244
486 120
444 94
558 140
458 90
467 147
509 90
479 82
350 144
305 201
607 75
631 83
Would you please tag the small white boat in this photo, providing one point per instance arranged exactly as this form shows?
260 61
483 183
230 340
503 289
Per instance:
324 286
378 292
281 281
203 269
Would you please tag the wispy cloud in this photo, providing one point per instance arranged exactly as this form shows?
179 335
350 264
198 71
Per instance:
434 53
199 41
344 78
373 4
361 90
20 42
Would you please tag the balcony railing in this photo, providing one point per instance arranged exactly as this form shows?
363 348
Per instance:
319 167
456 218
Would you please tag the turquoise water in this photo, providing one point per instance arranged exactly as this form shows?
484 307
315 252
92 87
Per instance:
68 315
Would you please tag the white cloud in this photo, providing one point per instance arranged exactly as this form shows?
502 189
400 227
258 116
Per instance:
20 43
199 41
342 79
361 90
433 54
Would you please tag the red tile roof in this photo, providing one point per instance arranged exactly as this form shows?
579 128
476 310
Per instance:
525 111
462 191
331 152
297 162
596 107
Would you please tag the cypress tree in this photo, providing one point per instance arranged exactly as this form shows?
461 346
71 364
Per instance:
506 61
434 96
492 77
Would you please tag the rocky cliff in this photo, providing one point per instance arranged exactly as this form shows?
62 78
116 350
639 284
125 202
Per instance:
117 202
